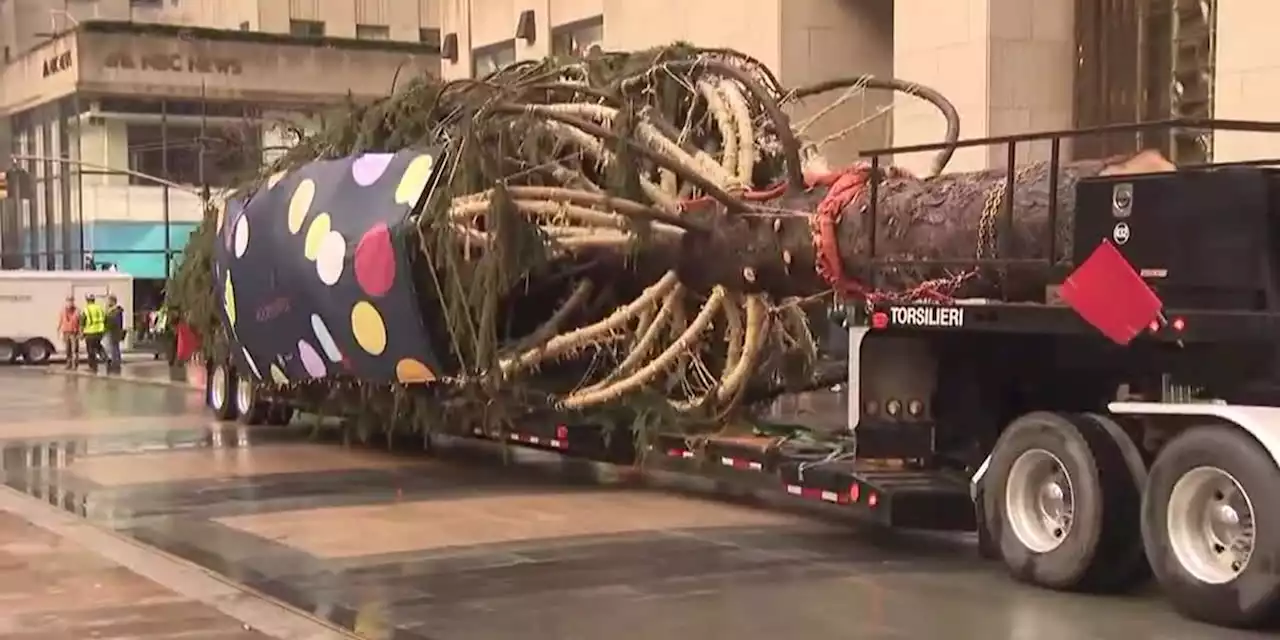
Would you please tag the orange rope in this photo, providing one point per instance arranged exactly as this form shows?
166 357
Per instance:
844 187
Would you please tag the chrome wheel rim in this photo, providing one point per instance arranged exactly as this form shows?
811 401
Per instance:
244 396
6 353
217 388
1211 525
36 352
1039 500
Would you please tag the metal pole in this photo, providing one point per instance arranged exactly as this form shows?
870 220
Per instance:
167 240
80 176
164 170
102 167
164 139
204 123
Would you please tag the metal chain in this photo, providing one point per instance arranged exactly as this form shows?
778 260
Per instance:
991 210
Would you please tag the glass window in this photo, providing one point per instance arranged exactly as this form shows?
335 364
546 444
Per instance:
429 36
486 60
306 28
373 32
577 38
173 152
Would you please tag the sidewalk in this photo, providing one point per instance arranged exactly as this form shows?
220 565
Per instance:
141 372
62 578
51 588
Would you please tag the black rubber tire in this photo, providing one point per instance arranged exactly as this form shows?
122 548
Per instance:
1252 599
280 414
1132 568
221 379
1104 529
988 547
10 352
257 410
37 351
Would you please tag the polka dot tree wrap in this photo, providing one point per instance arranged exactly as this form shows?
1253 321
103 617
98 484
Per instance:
315 279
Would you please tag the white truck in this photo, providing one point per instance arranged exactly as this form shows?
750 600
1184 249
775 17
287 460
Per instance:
31 301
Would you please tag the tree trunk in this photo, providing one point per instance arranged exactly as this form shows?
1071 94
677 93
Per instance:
955 216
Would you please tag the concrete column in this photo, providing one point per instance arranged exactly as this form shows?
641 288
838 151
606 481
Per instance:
1007 65
1247 78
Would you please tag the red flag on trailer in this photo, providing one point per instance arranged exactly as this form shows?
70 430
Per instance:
1110 295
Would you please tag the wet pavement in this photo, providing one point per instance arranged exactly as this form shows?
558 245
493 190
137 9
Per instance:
53 588
396 545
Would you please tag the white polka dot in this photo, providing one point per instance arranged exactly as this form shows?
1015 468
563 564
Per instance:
242 235
253 366
329 259
325 339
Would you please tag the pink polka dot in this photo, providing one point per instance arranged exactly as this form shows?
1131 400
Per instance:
375 261
311 360
369 167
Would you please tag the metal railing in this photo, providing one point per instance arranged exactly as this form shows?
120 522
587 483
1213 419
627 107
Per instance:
881 264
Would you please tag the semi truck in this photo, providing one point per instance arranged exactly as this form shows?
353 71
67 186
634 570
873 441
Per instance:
31 302
1124 425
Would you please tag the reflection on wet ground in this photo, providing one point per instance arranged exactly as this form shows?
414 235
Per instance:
400 546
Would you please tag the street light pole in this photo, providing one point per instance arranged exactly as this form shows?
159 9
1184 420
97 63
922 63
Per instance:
168 185
102 167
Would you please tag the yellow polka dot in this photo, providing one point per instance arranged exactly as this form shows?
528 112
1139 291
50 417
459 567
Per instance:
276 178
410 371
229 300
414 180
278 375
300 204
368 328
315 233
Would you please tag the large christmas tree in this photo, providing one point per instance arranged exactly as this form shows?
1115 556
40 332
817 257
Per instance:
632 237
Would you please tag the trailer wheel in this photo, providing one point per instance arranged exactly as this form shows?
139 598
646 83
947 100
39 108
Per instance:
220 387
1212 542
1061 504
1131 567
249 409
9 352
37 351
988 546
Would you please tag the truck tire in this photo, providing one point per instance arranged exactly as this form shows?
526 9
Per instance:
9 351
1132 569
1061 504
37 351
988 546
1209 530
220 386
250 409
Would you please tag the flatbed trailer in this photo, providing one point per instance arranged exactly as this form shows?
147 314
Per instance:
1084 464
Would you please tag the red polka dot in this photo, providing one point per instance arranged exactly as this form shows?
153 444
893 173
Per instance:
375 261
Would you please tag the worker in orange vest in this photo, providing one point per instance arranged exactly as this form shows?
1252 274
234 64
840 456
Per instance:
69 329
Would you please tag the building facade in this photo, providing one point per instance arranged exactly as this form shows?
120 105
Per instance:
1010 66
120 112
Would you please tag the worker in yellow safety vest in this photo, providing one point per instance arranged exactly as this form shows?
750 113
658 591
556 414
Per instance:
94 328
